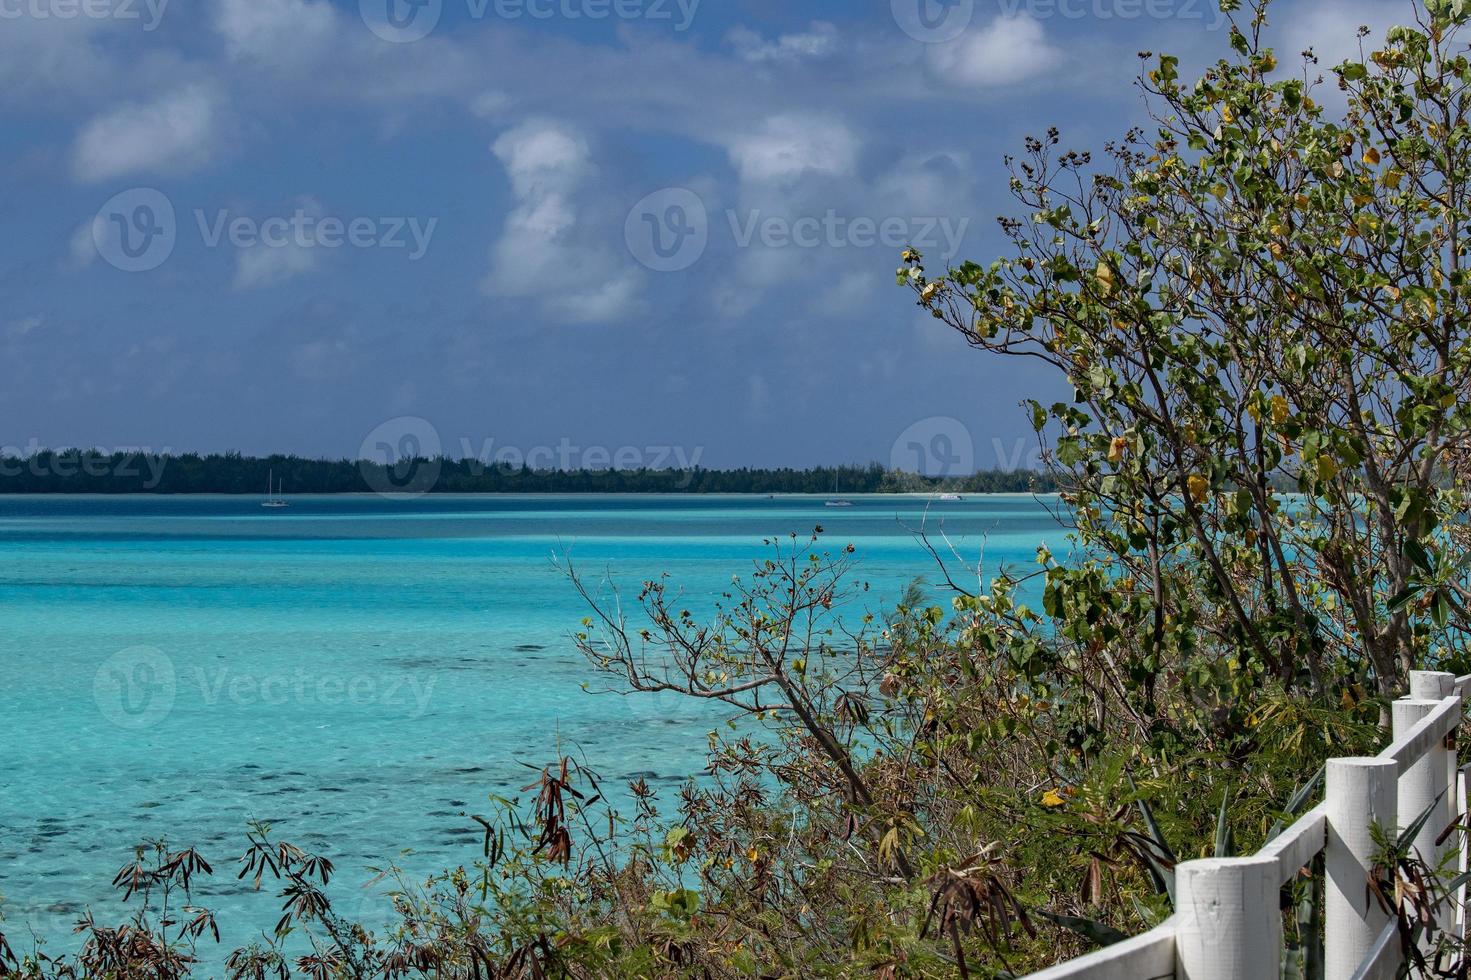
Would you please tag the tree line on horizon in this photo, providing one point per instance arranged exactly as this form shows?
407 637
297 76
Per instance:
71 471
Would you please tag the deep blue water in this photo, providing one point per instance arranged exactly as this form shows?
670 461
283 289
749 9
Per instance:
356 670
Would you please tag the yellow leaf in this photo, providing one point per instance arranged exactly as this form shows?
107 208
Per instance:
1104 275
1371 157
1117 448
1226 114
1199 487
1392 178
1281 411
1052 798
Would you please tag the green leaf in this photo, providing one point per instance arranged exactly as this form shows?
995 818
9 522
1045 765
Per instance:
1090 929
1440 609
1416 553
1224 843
1297 802
1408 835
1404 598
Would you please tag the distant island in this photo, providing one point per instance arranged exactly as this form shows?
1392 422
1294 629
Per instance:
71 471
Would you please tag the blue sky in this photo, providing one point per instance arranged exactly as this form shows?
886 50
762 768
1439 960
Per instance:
451 216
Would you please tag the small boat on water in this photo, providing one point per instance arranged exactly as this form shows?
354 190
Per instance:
274 501
838 502
951 496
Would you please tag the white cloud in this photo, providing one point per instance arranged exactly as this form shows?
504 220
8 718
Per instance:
276 32
46 59
851 293
1332 31
821 40
600 302
932 184
266 265
790 146
758 401
17 329
83 246
1006 51
174 133
320 360
288 257
543 160
490 104
546 251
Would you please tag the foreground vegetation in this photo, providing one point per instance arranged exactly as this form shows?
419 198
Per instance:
1258 293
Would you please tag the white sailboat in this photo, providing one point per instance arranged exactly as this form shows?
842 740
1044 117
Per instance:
274 500
838 502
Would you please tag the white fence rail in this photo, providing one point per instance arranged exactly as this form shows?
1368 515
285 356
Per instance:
1228 924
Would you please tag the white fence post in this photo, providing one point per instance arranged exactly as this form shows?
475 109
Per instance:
1429 783
1461 863
1437 685
1431 685
1361 793
1230 919
1424 785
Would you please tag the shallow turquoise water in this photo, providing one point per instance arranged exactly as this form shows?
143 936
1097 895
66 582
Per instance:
358 671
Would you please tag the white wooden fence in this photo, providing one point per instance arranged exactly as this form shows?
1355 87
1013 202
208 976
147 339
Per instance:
1228 921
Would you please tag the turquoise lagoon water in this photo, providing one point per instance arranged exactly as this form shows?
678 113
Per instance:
357 671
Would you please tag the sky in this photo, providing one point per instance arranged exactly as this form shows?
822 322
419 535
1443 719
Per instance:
653 231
